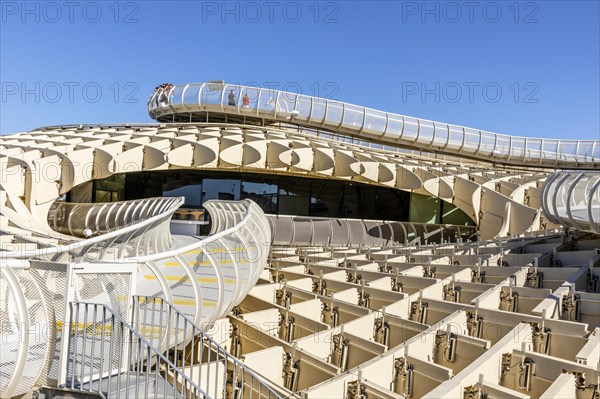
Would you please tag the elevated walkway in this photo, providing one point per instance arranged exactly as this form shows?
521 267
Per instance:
192 102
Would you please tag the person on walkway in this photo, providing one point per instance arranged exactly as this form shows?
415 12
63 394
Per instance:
246 101
231 98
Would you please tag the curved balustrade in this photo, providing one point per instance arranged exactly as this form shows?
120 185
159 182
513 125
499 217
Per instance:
313 231
185 100
140 236
204 280
207 278
91 219
572 199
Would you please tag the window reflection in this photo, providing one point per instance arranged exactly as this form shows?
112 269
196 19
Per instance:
192 194
110 189
221 189
264 194
294 197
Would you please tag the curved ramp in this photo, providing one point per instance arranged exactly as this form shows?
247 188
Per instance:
203 279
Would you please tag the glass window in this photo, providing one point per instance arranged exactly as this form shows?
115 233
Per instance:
192 194
191 95
212 93
424 209
264 194
326 199
294 197
221 189
111 189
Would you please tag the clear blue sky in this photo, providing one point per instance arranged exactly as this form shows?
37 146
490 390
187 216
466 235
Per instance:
445 61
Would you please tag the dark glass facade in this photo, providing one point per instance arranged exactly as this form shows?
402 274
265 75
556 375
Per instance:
284 195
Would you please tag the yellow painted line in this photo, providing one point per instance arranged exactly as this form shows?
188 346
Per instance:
185 278
205 263
185 302
95 328
213 251
172 264
193 263
170 278
207 279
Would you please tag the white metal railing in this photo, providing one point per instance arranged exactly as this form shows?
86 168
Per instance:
15 324
208 364
204 280
315 231
572 199
336 116
92 219
112 357
207 278
138 236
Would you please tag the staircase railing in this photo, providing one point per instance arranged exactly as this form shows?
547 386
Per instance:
206 362
109 357
113 358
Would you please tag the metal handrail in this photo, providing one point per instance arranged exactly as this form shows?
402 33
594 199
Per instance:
108 239
198 244
241 223
190 340
100 222
184 286
572 199
140 357
377 125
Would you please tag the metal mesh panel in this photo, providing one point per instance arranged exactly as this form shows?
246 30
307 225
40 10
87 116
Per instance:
49 326
37 350
111 289
54 278
10 339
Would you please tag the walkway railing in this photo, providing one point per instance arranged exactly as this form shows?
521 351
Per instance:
207 278
91 219
572 199
268 104
310 230
139 236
